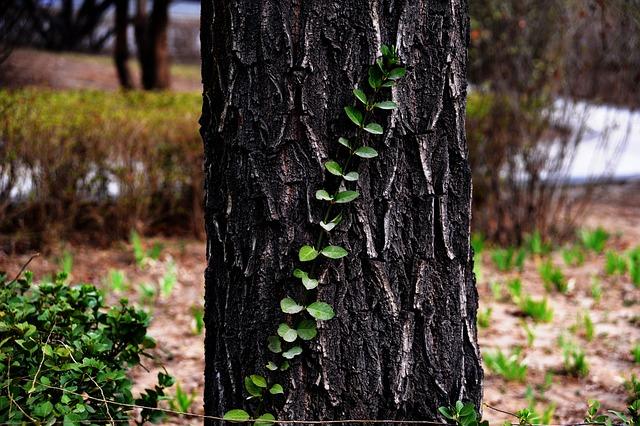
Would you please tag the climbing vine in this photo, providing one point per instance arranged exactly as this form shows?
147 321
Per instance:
383 74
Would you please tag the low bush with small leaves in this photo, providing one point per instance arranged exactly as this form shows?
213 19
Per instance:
63 352
511 367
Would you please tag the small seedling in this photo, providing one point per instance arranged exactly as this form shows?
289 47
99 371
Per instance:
596 289
584 326
616 264
514 287
496 290
168 280
511 367
147 293
527 417
633 388
634 266
484 317
573 256
65 263
116 280
574 358
553 277
536 246
141 256
538 310
182 400
508 259
635 353
477 242
529 332
593 240
198 319
632 416
593 415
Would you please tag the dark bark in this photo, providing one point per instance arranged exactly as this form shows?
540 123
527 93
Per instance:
151 41
276 76
121 47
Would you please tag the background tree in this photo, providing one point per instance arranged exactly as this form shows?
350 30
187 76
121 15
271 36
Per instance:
275 81
151 42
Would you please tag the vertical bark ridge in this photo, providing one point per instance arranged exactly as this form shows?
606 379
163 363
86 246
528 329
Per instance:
276 76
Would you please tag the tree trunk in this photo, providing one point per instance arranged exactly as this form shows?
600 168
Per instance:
152 44
121 47
276 78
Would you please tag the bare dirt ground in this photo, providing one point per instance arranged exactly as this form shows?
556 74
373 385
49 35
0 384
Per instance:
616 316
27 67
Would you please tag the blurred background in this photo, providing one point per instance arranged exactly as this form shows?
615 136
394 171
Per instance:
100 171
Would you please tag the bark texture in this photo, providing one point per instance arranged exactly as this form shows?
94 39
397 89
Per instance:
276 76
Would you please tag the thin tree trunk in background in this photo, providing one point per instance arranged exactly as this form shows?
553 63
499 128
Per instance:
276 78
121 48
152 43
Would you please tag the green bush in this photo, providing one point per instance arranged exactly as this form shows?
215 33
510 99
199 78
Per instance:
62 352
64 152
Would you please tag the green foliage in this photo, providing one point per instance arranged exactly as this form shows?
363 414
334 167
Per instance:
463 414
593 415
484 317
383 74
616 264
142 256
633 388
596 289
508 258
62 351
511 367
529 332
65 263
535 244
553 277
634 266
527 416
116 280
593 240
168 280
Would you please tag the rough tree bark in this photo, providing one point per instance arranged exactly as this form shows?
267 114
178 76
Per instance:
276 76
121 46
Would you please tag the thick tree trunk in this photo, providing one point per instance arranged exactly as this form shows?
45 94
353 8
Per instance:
276 77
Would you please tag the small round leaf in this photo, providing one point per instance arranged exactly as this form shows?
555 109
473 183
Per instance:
359 94
276 389
292 353
236 415
333 168
287 333
267 419
374 128
307 329
334 252
366 152
259 381
344 142
307 253
321 311
289 306
346 196
354 115
274 345
323 195
385 105
351 176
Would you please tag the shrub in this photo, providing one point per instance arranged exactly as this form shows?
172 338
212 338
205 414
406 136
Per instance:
100 162
63 352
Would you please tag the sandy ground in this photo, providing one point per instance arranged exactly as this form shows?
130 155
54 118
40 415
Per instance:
616 316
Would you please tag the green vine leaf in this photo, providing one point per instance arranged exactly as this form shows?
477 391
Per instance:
334 222
334 252
396 73
375 78
274 345
307 253
299 273
333 167
346 196
385 105
287 333
284 366
344 142
251 388
359 94
307 329
292 353
259 381
289 306
321 311
236 415
354 115
271 366
374 128
389 83
276 389
366 152
323 195
309 283
267 419
351 176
